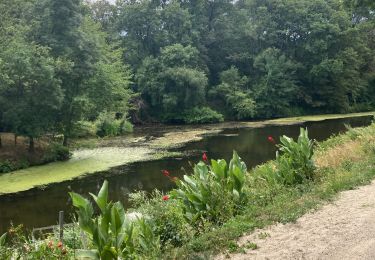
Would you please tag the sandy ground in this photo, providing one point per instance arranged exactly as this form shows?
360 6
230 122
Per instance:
344 229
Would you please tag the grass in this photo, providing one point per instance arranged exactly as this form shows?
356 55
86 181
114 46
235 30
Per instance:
344 162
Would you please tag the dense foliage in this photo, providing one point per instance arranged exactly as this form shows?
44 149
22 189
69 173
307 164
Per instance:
65 63
213 192
56 69
248 58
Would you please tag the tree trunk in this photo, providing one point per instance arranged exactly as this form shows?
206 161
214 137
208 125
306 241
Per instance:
65 141
31 144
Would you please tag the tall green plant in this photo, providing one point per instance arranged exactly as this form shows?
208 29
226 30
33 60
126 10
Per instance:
110 232
113 235
214 192
294 162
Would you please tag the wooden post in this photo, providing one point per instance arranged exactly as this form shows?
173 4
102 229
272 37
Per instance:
61 225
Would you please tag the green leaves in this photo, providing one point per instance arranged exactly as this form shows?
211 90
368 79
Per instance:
174 82
102 198
294 162
3 239
85 212
30 93
112 234
207 192
219 167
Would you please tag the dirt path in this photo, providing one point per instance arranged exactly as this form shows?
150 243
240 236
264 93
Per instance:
344 229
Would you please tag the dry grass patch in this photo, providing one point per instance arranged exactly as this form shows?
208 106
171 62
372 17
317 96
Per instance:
335 156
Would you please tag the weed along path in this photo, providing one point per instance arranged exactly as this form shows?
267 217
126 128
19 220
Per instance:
344 229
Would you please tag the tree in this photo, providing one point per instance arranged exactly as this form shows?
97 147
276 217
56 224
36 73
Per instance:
93 74
277 87
174 82
139 25
234 93
30 93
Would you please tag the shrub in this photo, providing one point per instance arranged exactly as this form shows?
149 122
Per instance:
294 162
214 192
113 235
126 127
15 244
85 129
201 115
7 166
108 125
56 152
168 217
242 104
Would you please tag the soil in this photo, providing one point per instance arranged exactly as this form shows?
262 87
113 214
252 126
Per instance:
19 151
344 229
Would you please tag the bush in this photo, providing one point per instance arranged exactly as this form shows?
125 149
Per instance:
16 244
56 152
7 166
242 105
294 162
108 125
214 193
201 115
85 129
168 217
126 127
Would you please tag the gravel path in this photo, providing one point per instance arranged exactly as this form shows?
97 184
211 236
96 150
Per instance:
344 229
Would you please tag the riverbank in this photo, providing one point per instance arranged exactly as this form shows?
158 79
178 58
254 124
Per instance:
111 152
343 162
340 163
344 229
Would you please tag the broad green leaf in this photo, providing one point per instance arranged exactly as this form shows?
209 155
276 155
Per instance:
78 200
102 198
3 239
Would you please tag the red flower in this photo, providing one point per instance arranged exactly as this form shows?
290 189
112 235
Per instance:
165 197
60 244
271 140
204 157
165 173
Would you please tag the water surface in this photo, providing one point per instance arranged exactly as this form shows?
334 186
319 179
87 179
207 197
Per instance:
37 208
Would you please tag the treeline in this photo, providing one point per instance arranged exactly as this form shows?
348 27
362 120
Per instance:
63 62
57 68
245 59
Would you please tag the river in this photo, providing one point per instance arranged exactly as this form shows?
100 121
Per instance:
40 207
